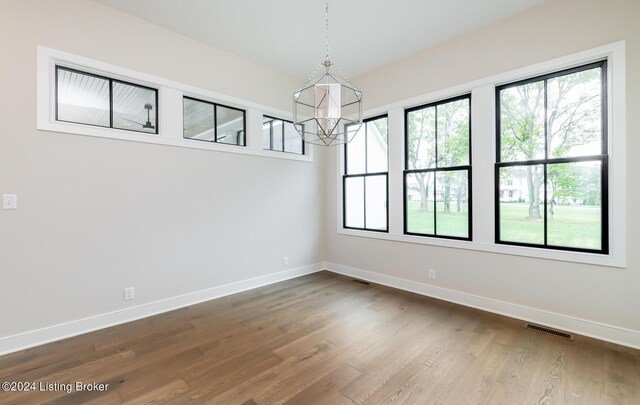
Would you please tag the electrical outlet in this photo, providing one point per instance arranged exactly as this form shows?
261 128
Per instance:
129 293
9 202
432 274
285 261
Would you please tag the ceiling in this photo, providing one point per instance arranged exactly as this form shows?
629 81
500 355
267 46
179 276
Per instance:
288 35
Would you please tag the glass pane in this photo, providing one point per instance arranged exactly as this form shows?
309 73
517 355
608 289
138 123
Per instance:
521 207
522 122
574 114
82 98
376 202
230 125
134 108
452 208
292 139
354 202
421 138
574 206
419 203
356 153
277 136
377 145
453 133
198 120
266 133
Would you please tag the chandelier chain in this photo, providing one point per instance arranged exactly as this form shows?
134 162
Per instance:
327 109
326 28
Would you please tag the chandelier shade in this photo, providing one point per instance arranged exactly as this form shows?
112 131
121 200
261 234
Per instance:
327 109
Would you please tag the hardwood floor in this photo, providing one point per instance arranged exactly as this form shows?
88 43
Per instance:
327 339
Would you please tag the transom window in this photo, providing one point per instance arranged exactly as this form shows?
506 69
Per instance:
365 181
551 175
90 99
437 175
211 122
280 135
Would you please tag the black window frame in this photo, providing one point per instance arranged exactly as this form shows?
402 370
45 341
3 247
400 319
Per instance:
603 158
435 170
111 81
215 122
272 119
364 175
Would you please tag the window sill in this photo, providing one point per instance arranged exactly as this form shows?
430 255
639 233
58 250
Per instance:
124 135
575 257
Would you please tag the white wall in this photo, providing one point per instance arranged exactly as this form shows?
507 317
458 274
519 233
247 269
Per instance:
97 215
554 29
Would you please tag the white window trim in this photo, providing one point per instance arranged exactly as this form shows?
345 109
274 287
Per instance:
170 109
483 161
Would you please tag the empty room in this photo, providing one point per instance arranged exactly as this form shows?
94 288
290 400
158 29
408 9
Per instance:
330 202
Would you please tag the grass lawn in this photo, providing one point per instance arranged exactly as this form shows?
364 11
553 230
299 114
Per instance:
448 224
571 226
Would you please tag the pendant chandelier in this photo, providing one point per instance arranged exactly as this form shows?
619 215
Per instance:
327 109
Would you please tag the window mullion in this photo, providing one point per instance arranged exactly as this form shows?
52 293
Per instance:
435 177
604 122
604 192
215 123
364 200
436 138
272 134
366 148
346 170
546 156
545 203
110 103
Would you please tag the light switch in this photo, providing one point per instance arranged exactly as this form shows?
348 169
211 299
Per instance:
9 202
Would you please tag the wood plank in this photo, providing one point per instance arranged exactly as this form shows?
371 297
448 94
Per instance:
551 375
326 339
517 375
585 380
327 389
621 379
163 394
475 386
216 384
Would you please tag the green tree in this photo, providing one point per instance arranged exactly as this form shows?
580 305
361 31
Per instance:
453 145
452 127
382 126
570 181
572 122
421 150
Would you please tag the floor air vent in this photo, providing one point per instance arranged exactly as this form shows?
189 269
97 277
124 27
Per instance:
549 331
361 281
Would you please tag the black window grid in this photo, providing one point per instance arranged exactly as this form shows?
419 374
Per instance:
111 82
272 134
240 134
603 158
435 170
364 177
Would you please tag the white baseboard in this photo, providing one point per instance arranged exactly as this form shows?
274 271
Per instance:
14 343
609 333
